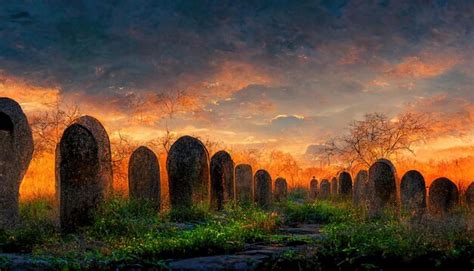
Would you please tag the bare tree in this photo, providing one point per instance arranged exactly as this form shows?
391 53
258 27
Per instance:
377 137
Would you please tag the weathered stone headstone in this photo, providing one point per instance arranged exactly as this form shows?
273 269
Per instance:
244 184
360 185
334 186
313 188
188 172
263 188
325 189
443 196
281 189
16 151
80 183
413 193
381 186
144 182
470 196
222 179
345 184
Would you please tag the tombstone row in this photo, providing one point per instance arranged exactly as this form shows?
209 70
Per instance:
377 189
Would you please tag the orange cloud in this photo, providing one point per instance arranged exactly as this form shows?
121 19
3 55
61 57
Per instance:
424 66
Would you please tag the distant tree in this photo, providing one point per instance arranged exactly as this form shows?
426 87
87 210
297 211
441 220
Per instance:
377 137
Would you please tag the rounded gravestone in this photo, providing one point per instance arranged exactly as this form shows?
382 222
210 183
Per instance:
470 196
244 184
281 189
188 172
263 188
144 182
81 188
443 196
222 179
381 186
325 189
334 186
345 184
359 188
313 188
413 193
16 151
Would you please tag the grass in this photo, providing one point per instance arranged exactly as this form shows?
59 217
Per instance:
126 232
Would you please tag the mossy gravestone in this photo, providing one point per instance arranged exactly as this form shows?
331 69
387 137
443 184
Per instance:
244 184
16 151
334 186
222 179
281 189
263 189
144 182
345 184
325 189
381 186
413 193
188 172
443 196
470 196
313 188
360 184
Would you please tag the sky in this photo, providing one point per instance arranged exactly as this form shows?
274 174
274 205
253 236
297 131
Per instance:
285 74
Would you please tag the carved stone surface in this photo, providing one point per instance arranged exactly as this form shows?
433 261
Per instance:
345 184
443 196
222 179
334 186
244 184
16 151
381 186
360 186
325 189
413 193
144 181
188 172
313 188
263 188
470 196
281 189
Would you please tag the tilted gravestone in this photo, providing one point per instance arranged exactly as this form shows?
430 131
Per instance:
281 189
313 188
81 187
413 193
263 188
144 181
325 189
381 186
345 184
334 186
222 179
16 151
359 189
188 172
244 184
470 196
443 196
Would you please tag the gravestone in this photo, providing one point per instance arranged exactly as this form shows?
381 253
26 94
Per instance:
144 182
222 179
80 183
345 184
281 189
244 184
413 193
360 186
188 172
263 188
313 188
381 186
334 186
16 151
443 196
470 196
325 189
